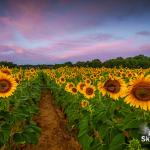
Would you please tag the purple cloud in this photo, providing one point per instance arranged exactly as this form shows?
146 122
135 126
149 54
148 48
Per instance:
144 33
49 31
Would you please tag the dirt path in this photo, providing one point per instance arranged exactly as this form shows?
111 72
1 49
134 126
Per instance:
52 123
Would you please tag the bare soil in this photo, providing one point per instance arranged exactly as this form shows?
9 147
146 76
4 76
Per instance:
53 123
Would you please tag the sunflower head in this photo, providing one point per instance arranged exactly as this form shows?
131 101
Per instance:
62 79
84 103
84 78
89 91
112 86
88 81
129 75
19 75
139 93
74 90
7 85
68 86
6 71
80 86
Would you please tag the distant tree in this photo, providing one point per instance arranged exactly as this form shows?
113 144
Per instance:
139 61
8 64
140 57
130 62
80 64
69 64
96 63
119 58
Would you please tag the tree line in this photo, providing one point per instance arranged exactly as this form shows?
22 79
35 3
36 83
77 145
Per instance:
139 61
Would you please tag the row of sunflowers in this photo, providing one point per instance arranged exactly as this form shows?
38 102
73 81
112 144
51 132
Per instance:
19 96
108 109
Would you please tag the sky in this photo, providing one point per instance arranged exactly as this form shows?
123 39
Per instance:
57 31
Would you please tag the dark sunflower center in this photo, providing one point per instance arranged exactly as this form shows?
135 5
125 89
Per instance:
6 72
17 80
19 76
85 103
70 85
142 91
74 90
129 75
82 86
87 81
62 79
4 86
89 91
112 86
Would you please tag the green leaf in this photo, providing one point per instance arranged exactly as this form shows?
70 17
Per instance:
132 124
31 137
83 126
105 74
102 131
4 134
86 141
32 128
117 142
19 138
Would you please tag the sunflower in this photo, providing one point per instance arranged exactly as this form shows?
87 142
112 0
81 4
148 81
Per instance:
57 81
19 75
62 79
88 91
74 90
7 85
114 87
138 94
88 81
84 103
6 70
68 86
27 75
32 70
129 75
84 77
80 86
91 77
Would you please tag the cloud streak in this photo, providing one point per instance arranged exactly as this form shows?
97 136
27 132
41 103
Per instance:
144 33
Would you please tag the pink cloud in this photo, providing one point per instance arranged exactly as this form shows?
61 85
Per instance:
121 46
67 44
24 56
5 35
26 17
5 49
145 48
35 21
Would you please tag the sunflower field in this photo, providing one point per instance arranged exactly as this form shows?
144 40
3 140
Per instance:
19 97
107 109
